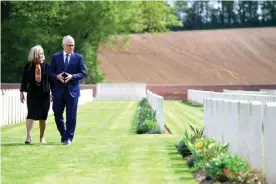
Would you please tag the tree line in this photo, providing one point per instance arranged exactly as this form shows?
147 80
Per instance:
197 15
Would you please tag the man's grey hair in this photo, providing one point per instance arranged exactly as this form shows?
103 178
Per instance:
33 53
66 38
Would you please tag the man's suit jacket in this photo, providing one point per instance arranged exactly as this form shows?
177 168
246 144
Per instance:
76 68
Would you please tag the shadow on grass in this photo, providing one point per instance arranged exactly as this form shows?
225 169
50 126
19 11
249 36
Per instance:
135 119
191 103
171 147
32 144
16 144
179 165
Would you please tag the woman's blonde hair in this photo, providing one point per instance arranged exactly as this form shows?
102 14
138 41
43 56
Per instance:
33 53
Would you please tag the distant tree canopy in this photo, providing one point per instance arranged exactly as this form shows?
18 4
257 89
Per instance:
225 14
25 24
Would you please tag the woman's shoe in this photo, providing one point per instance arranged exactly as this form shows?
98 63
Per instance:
28 140
42 141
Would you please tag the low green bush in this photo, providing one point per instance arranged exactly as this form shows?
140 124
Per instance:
183 149
143 102
225 166
146 113
147 126
147 119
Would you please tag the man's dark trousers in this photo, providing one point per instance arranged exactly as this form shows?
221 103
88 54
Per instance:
71 104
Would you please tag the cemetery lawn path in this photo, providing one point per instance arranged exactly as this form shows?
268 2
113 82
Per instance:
105 150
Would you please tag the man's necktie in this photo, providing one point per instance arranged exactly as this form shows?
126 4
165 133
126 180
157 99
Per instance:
66 62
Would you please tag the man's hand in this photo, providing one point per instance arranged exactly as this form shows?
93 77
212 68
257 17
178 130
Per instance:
68 77
22 98
60 78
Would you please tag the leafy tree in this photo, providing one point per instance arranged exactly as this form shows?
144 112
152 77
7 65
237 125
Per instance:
28 24
90 23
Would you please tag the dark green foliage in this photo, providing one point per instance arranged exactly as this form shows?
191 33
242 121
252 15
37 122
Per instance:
191 162
147 126
183 149
197 133
225 165
227 14
147 113
27 24
147 119
90 23
143 102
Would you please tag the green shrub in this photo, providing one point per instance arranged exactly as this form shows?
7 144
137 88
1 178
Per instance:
225 166
147 126
143 102
189 139
146 113
203 150
197 133
183 149
191 162
147 119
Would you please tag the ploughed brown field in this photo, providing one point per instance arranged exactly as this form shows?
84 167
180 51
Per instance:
233 56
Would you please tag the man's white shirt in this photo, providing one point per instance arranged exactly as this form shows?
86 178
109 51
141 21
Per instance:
64 57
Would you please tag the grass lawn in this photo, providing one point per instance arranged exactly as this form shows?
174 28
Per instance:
179 115
105 149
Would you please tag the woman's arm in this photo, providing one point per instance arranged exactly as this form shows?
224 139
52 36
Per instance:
50 79
24 79
24 82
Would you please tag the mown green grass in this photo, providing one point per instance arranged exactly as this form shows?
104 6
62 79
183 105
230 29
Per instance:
179 115
105 149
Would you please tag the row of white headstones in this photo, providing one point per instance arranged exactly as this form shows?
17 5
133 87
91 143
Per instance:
244 119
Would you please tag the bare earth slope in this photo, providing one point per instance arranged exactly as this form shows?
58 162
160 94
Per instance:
233 56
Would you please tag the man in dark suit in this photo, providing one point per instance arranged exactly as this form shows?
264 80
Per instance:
67 68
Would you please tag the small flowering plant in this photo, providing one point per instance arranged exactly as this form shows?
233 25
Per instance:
189 139
251 176
204 150
226 166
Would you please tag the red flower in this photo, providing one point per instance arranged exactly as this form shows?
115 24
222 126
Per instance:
226 171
